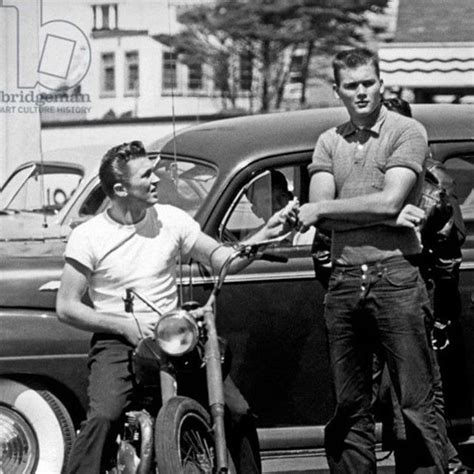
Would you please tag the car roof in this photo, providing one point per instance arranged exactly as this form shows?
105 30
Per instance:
228 140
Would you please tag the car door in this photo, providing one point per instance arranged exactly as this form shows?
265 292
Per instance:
271 313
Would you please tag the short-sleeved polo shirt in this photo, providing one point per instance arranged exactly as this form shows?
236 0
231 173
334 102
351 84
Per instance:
358 160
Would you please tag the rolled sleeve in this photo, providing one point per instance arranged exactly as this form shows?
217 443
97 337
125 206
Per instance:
410 149
188 231
78 248
322 159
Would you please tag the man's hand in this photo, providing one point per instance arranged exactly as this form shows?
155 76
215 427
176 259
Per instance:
410 216
129 330
308 215
284 220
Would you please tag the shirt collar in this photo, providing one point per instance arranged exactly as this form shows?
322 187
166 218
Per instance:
349 128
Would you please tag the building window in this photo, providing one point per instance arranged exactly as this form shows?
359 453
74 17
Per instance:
195 77
105 16
169 70
108 74
132 73
246 74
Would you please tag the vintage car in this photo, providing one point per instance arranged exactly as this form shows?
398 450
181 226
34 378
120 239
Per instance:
271 313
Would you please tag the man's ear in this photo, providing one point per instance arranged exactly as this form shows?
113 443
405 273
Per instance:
120 190
335 90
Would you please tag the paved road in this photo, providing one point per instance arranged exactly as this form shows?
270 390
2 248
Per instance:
314 461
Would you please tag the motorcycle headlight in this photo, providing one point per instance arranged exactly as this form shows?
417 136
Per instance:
177 333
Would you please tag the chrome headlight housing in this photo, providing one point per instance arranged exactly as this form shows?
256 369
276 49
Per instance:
177 333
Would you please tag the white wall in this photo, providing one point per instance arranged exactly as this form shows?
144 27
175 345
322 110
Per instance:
19 126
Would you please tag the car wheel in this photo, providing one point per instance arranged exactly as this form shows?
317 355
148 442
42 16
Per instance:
36 430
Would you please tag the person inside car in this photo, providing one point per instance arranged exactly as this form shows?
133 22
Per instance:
271 194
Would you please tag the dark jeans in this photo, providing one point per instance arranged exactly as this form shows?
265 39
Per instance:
111 389
380 307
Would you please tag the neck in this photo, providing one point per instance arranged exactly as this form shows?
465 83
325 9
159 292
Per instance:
126 214
368 120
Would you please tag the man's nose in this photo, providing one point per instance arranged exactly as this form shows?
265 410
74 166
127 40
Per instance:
155 179
361 90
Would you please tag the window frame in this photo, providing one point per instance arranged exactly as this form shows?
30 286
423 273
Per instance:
128 64
104 91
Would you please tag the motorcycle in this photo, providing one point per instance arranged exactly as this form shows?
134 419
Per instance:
190 429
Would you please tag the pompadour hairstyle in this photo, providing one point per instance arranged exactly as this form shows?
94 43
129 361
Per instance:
113 165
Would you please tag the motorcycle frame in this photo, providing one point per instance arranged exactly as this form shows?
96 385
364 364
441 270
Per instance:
215 383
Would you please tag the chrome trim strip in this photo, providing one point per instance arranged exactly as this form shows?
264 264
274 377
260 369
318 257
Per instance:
245 278
467 265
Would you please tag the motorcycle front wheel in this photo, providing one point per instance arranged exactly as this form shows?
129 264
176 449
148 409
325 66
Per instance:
184 442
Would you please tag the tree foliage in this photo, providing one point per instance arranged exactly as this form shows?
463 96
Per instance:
269 32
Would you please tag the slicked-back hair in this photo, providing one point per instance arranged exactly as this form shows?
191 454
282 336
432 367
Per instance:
113 167
354 58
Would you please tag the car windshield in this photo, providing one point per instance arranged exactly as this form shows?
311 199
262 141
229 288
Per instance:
184 184
40 188
13 185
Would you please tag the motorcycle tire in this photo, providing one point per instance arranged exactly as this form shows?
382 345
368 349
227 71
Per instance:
184 442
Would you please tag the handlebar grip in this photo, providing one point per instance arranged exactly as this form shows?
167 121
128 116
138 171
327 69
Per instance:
271 257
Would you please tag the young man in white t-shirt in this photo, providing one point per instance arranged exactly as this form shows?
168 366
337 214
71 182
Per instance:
134 243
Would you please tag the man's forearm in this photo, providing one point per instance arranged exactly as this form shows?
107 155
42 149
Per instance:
366 209
85 318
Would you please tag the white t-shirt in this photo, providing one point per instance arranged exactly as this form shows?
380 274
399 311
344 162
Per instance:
141 256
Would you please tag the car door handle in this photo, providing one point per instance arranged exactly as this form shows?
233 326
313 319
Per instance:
52 285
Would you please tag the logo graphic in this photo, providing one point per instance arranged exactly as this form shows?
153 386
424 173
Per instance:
64 49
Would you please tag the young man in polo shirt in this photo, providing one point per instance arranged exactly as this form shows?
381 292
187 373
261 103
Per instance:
363 173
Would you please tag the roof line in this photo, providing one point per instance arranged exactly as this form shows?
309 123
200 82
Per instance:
434 44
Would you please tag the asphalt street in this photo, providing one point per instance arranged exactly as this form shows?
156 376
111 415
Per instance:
314 461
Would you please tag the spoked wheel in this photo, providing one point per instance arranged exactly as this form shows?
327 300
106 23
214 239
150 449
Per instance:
184 442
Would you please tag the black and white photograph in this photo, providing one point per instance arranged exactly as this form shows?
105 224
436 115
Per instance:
236 236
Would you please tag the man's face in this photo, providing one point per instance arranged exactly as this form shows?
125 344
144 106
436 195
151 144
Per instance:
360 89
266 201
141 183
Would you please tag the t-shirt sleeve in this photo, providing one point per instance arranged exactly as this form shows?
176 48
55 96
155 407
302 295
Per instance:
188 230
410 148
79 248
322 159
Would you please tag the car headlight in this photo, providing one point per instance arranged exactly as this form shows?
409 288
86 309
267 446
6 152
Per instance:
177 333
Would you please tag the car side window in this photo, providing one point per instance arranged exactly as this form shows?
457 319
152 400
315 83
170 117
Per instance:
461 169
94 203
261 197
